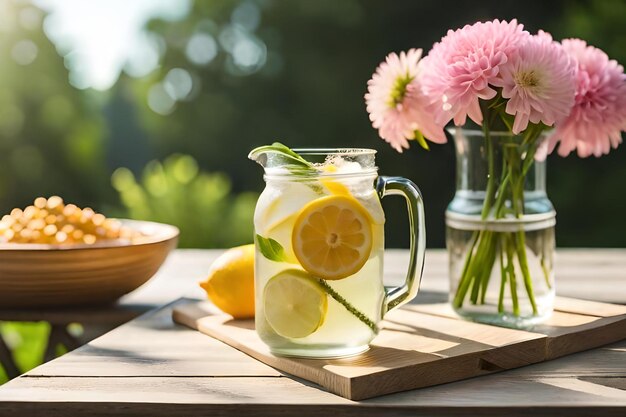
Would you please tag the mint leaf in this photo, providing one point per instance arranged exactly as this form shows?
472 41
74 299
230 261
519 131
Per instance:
271 249
278 154
292 160
280 148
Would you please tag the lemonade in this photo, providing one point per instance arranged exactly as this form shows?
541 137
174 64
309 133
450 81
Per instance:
319 231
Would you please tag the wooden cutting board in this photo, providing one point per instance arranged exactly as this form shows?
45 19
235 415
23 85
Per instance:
425 344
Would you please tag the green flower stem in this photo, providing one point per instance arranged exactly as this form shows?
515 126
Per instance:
490 173
480 262
546 274
503 277
499 204
476 270
520 235
465 283
523 263
355 312
511 274
487 246
468 277
491 260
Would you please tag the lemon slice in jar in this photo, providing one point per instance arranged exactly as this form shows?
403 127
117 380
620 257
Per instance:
332 185
332 237
294 303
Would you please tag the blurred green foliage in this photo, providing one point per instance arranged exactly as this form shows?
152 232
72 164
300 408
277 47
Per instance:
235 74
27 342
199 203
51 135
587 193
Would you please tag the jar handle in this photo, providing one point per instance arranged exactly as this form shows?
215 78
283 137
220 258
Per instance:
396 296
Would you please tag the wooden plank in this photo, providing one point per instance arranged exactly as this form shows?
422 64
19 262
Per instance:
619 383
607 362
417 348
568 333
167 396
577 271
124 352
149 346
561 304
508 393
412 351
575 325
595 274
588 308
171 390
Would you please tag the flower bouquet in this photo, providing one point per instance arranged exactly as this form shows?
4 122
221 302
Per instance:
525 95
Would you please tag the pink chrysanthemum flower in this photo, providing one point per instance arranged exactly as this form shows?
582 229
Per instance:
459 70
599 114
396 104
538 83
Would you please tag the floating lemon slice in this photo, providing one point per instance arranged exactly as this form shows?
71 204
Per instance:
295 304
332 237
333 186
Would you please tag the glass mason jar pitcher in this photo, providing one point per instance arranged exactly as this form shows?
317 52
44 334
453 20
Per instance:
319 229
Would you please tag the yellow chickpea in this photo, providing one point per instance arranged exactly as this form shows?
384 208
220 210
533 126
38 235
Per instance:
50 220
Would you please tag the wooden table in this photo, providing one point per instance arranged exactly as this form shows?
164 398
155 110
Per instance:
97 320
150 366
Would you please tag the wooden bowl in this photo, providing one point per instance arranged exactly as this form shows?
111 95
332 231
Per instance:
39 275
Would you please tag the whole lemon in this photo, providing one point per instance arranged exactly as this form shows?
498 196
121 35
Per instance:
230 283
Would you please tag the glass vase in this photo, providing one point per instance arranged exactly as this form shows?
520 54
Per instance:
500 230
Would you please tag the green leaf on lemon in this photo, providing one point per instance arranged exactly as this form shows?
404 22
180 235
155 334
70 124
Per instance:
271 249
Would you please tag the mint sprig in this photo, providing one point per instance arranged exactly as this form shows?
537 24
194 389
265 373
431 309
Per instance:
270 249
292 161
352 309
288 159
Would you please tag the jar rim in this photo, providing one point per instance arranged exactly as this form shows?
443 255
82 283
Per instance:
335 151
320 157
279 174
